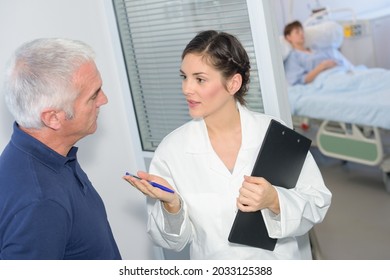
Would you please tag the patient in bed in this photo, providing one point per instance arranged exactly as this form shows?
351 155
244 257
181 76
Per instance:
303 64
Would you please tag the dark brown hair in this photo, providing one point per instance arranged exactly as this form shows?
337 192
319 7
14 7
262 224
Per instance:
225 53
291 26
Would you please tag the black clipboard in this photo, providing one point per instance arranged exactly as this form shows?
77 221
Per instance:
279 161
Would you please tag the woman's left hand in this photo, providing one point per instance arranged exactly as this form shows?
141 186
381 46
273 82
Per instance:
257 193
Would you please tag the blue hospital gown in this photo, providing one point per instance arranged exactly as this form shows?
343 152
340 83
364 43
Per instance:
298 64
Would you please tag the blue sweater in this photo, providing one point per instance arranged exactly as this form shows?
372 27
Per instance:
48 207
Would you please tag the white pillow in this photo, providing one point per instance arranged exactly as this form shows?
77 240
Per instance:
285 47
324 35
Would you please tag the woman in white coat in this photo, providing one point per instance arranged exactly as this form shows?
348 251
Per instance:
207 162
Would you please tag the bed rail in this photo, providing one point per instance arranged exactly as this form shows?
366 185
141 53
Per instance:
350 142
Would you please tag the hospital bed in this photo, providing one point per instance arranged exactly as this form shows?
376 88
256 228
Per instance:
350 110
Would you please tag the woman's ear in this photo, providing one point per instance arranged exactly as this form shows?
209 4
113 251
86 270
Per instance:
235 83
51 118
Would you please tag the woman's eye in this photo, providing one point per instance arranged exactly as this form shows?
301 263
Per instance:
200 80
183 77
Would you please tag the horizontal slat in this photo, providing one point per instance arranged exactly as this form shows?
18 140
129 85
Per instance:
153 35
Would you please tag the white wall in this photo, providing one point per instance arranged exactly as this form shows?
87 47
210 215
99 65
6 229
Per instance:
115 147
369 49
300 9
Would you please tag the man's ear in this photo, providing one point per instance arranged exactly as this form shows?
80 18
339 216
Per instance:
287 37
235 83
51 118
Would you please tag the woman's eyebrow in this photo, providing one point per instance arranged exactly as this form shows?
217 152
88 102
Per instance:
194 74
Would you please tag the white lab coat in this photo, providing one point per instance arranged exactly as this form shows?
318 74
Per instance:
186 159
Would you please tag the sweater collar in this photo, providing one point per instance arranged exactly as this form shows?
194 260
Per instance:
40 151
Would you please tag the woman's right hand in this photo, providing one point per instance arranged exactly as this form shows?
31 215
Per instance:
171 201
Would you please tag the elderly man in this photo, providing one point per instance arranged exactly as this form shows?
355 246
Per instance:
48 207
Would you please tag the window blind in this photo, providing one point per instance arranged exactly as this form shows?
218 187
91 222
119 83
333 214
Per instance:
153 35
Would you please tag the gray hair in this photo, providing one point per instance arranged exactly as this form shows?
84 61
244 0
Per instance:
40 75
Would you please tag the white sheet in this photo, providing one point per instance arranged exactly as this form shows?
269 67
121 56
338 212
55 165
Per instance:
361 97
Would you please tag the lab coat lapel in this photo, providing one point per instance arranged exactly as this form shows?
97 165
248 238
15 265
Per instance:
215 163
201 146
249 143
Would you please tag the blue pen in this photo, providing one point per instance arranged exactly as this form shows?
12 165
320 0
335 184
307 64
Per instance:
154 184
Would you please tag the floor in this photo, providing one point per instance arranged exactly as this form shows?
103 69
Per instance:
357 226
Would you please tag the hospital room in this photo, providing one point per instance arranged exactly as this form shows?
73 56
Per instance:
138 46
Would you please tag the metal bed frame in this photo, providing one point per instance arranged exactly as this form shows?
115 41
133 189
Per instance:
350 142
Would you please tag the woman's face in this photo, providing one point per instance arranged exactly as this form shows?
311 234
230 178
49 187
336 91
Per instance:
203 87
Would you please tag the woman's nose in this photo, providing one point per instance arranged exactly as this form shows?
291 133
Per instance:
186 87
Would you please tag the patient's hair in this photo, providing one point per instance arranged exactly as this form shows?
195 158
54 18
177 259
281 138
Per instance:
225 53
291 26
41 75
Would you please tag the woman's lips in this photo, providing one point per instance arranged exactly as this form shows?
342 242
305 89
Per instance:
192 103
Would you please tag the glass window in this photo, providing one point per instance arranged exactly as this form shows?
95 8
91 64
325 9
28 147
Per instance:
153 34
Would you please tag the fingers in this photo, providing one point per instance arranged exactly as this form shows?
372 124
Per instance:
250 194
329 63
244 206
153 178
254 186
144 175
254 194
326 64
146 188
142 185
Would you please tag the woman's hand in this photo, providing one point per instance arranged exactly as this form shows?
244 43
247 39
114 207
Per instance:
171 201
257 193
